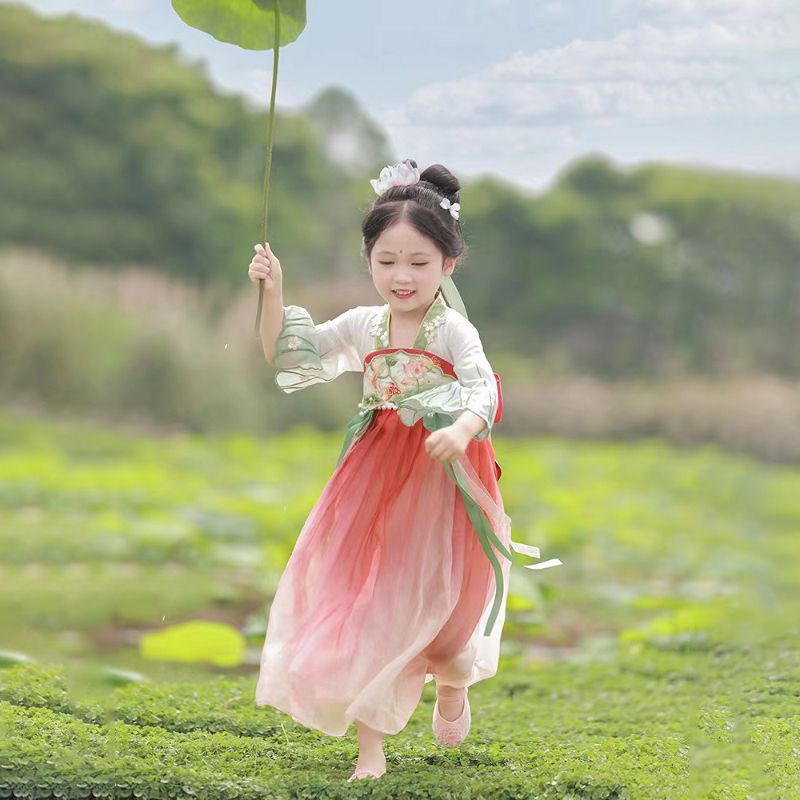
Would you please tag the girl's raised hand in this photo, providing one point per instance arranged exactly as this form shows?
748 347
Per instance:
447 444
265 266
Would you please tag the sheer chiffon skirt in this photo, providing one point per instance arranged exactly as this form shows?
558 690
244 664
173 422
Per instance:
387 586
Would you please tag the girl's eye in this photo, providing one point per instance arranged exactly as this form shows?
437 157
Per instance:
414 264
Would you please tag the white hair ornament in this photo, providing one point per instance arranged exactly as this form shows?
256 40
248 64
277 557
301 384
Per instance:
403 174
454 207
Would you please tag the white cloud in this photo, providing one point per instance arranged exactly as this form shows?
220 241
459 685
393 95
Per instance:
714 82
714 69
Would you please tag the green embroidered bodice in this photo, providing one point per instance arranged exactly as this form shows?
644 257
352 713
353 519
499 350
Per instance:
393 374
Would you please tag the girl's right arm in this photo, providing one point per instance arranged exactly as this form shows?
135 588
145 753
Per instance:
302 352
266 266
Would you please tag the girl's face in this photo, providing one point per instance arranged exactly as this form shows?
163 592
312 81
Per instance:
407 269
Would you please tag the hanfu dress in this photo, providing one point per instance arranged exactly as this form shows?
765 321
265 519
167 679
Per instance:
394 578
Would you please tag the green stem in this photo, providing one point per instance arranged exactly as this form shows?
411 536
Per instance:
268 164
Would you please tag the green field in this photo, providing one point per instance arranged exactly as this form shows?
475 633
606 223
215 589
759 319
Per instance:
662 660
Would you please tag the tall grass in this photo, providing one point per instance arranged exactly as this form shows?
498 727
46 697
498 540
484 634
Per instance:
135 348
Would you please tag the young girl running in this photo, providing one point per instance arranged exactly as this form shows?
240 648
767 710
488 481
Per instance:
394 580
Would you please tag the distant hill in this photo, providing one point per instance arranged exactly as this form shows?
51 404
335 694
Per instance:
653 270
349 136
116 153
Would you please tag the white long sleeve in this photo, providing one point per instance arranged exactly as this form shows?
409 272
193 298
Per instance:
475 373
475 389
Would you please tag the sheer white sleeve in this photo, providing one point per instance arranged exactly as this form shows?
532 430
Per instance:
307 353
475 374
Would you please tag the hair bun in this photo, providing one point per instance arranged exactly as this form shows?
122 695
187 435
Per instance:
442 179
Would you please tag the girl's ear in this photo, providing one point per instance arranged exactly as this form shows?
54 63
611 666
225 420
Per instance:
449 266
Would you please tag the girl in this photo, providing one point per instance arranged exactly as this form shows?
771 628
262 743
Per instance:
393 581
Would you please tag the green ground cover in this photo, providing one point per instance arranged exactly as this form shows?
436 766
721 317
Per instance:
662 660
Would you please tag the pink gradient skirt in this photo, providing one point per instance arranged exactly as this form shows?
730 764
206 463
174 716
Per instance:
387 586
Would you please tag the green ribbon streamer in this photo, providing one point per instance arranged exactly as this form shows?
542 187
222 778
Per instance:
357 425
486 535
452 296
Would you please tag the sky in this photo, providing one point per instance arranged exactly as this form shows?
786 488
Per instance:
519 88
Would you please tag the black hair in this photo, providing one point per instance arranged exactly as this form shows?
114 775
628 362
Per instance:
419 205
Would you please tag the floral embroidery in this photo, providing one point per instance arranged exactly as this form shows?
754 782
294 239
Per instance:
379 328
293 342
429 326
434 317
398 374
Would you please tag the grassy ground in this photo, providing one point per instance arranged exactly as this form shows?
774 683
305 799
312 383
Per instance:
660 661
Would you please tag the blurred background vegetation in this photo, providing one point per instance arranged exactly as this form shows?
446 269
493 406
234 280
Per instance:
657 300
152 475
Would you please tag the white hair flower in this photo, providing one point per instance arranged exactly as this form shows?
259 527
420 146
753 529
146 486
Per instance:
401 174
454 207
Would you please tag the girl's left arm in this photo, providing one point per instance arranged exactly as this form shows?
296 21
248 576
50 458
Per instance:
471 400
471 423
476 376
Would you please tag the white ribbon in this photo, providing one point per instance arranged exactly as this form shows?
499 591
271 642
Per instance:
530 550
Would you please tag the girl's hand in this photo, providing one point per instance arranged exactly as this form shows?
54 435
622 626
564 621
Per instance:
448 443
265 266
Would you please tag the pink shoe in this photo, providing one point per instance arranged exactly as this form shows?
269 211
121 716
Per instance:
451 734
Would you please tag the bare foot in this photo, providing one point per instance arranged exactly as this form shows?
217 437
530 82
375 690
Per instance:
374 762
451 701
370 752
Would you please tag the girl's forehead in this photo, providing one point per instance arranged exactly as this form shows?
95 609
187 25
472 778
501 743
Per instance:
401 251
404 241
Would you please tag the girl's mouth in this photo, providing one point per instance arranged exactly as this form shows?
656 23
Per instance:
403 294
